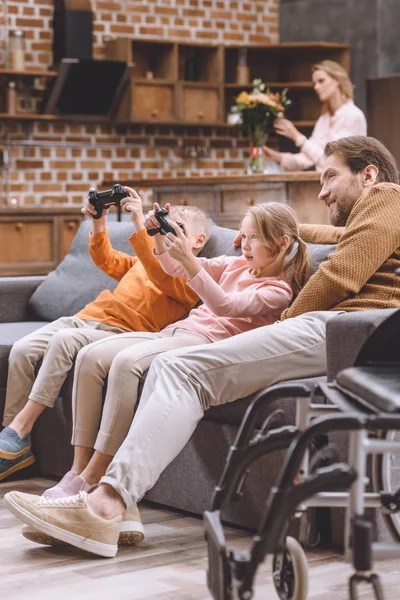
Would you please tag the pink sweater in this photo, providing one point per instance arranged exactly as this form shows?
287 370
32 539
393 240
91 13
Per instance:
234 300
347 120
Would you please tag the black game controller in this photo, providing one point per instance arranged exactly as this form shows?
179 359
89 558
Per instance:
102 200
163 217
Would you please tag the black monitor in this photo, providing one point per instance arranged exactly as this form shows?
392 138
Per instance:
87 87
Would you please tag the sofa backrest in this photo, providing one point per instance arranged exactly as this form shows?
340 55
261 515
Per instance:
77 281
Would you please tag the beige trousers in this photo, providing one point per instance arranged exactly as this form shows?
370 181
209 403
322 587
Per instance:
124 358
56 344
182 384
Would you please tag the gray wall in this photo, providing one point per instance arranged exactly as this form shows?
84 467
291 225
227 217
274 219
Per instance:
371 27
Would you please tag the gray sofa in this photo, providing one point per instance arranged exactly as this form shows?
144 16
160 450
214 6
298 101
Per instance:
187 484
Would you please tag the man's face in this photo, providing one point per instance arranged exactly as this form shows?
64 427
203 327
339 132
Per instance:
340 189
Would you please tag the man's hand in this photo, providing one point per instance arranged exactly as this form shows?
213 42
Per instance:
237 242
179 247
133 205
272 154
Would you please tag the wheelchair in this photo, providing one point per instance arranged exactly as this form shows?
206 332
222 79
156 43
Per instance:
363 401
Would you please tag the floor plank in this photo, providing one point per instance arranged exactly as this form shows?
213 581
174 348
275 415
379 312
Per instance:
169 565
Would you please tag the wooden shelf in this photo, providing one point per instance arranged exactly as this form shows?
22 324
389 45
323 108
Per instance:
28 73
200 84
154 81
60 118
274 84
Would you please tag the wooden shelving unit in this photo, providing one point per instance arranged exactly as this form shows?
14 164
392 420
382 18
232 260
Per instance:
188 84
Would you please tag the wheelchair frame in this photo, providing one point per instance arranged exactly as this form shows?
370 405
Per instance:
231 576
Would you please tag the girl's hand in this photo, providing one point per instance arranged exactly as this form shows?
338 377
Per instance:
178 247
272 154
287 129
237 242
133 205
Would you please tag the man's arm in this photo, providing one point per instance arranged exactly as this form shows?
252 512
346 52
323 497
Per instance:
321 234
371 236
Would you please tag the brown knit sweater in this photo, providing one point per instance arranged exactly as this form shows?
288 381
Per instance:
359 275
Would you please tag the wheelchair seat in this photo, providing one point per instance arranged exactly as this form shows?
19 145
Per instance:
377 387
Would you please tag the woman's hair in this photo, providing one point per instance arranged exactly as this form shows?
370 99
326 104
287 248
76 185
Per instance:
195 217
359 151
336 71
275 220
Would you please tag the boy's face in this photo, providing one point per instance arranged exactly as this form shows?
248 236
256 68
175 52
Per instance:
340 189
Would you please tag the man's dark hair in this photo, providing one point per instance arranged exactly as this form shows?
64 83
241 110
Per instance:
359 151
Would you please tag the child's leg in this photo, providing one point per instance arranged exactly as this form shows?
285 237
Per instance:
122 391
92 366
22 362
57 362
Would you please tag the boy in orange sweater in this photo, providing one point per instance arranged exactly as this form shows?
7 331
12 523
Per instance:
146 299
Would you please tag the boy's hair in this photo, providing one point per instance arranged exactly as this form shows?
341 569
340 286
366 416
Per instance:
359 151
273 221
195 217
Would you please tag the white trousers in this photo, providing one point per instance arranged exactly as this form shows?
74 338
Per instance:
183 383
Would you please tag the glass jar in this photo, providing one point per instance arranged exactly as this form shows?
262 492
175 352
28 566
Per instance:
16 50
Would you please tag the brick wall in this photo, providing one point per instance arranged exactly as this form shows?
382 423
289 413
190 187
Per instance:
56 163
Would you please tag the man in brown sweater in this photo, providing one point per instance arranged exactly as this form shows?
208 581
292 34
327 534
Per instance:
360 189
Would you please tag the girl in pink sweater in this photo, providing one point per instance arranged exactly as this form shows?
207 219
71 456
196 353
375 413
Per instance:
238 294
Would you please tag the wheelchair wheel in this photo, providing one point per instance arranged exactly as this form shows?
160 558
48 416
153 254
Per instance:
386 478
290 572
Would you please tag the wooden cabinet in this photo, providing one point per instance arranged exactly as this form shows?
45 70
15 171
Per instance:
196 83
226 198
34 241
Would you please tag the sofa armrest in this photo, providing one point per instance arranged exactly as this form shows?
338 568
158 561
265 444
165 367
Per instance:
15 293
346 333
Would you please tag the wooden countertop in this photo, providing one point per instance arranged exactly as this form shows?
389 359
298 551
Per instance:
34 210
289 177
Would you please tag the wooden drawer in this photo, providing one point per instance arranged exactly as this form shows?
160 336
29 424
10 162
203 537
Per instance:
202 198
68 231
153 102
27 241
236 199
198 104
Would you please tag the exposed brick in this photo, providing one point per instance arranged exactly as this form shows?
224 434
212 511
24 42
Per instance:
29 164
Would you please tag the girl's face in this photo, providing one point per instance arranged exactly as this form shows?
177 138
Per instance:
324 85
259 257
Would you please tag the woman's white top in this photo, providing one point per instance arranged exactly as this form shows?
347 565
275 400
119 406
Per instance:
347 120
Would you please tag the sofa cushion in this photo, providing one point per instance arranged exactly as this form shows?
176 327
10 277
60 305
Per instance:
10 333
77 281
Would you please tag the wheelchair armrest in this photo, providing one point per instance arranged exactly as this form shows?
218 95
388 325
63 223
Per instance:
345 335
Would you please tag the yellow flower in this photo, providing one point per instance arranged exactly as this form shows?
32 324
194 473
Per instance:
243 98
262 99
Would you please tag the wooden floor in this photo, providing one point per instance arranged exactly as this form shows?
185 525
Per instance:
169 565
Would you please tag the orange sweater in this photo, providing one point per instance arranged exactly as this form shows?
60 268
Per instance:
359 275
146 299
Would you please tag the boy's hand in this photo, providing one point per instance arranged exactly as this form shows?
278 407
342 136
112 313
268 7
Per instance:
150 221
98 225
133 205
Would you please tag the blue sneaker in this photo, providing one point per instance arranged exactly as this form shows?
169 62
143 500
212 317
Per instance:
8 467
12 446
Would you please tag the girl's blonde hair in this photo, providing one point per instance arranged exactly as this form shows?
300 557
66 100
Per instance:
275 220
336 71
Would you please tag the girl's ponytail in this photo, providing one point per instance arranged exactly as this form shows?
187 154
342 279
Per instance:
297 267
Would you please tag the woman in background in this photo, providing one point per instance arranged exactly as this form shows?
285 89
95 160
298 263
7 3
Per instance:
340 117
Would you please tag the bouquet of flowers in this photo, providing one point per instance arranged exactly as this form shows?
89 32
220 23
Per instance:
258 111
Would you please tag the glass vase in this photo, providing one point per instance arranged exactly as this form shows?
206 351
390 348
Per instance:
256 163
